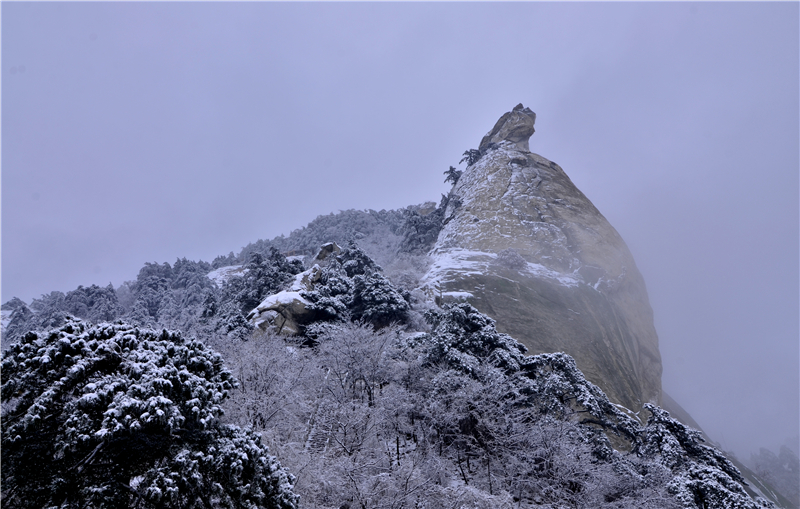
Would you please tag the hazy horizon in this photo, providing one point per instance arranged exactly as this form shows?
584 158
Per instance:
147 132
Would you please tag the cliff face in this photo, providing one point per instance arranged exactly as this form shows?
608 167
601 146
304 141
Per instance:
526 247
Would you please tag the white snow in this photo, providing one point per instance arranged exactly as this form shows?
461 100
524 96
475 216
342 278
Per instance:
266 311
282 298
543 272
455 263
627 411
461 260
458 295
223 274
298 284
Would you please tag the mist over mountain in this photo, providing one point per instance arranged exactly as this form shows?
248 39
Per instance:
496 349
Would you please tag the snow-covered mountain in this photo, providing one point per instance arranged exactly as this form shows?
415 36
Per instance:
382 352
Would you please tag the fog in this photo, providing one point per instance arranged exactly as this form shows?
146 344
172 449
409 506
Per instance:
144 132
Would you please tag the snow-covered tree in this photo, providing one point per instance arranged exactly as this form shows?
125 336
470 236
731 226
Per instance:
421 231
376 231
462 338
93 303
116 416
702 476
511 259
376 301
224 261
471 156
365 420
263 275
351 287
333 295
45 312
151 290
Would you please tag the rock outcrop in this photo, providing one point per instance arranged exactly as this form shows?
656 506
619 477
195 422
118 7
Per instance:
287 311
516 127
525 246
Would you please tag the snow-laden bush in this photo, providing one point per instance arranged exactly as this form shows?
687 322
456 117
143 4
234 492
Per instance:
351 287
376 301
703 476
668 457
333 295
367 419
421 231
377 232
463 338
117 416
262 276
93 303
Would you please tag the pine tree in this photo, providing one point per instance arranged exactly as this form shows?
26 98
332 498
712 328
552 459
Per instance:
471 156
116 416
452 175
376 301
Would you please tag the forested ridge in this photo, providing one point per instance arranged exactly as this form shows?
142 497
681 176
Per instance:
161 393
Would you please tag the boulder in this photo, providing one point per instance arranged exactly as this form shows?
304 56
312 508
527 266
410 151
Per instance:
287 311
516 127
325 251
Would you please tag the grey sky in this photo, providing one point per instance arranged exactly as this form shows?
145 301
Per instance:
142 132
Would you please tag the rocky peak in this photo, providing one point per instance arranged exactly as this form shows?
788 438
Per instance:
525 246
516 126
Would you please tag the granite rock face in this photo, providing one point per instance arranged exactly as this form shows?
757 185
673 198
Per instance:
525 246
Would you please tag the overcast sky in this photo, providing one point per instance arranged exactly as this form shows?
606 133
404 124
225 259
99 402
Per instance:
144 132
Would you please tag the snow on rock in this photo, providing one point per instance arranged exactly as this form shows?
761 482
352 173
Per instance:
305 280
458 295
450 265
287 310
222 274
283 310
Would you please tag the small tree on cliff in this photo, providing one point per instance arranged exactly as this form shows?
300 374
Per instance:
471 156
452 175
116 416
